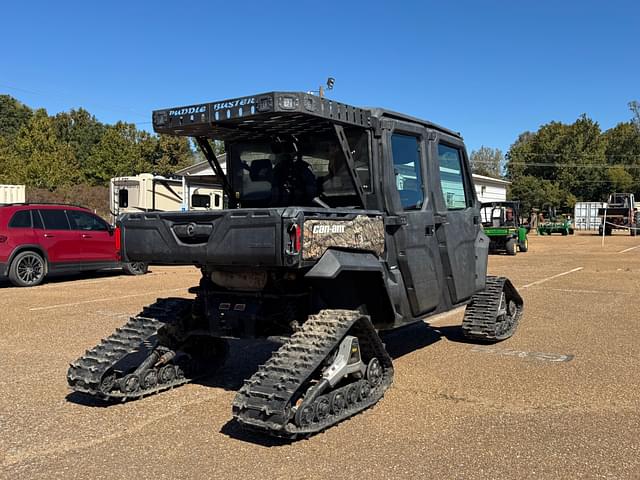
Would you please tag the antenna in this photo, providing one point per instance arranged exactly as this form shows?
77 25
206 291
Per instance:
330 82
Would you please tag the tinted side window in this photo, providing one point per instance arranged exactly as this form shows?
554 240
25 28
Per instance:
85 221
37 220
21 219
55 219
455 194
406 165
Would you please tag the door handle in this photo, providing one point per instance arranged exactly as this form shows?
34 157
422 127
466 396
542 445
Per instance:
428 230
48 235
86 235
476 220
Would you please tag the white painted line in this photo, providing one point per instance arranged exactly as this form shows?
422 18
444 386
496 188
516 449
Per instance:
629 249
61 305
538 282
571 290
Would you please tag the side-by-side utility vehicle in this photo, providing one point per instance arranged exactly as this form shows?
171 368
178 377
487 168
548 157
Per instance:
339 223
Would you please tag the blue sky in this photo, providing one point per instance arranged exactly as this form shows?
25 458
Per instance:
489 69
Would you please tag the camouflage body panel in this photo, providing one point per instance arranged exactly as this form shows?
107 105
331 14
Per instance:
363 233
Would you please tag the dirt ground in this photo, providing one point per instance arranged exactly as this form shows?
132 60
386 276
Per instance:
561 399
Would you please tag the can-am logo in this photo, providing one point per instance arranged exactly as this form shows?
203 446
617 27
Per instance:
187 111
240 102
324 229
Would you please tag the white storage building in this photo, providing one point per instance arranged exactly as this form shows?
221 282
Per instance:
489 189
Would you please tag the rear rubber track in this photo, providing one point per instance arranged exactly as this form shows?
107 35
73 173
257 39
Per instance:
266 401
490 316
97 373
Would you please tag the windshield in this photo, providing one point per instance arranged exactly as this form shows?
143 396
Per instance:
294 171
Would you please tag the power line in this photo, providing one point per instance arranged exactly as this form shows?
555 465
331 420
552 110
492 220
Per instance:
67 97
562 165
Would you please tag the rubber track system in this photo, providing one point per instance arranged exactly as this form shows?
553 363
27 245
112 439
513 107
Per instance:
493 314
95 372
265 401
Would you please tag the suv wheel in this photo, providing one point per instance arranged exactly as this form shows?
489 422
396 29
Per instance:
27 269
135 268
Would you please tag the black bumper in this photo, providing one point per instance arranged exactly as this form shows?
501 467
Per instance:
4 269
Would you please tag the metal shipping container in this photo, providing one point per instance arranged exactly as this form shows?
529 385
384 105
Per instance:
12 194
586 215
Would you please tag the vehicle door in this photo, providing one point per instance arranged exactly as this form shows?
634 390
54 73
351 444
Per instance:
412 247
94 235
61 244
458 229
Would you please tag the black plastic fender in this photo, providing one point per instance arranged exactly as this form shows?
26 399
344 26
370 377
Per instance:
333 262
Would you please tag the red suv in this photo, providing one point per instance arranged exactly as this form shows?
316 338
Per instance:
37 239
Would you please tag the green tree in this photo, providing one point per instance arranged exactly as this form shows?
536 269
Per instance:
570 155
13 116
39 160
487 161
173 153
536 193
81 131
623 152
117 154
634 106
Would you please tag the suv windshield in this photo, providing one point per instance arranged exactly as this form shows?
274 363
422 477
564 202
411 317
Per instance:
292 172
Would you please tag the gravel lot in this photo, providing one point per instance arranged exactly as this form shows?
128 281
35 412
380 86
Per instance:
560 399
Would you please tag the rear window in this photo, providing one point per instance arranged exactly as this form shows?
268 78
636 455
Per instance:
21 219
55 219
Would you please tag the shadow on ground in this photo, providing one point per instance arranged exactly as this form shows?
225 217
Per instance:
55 278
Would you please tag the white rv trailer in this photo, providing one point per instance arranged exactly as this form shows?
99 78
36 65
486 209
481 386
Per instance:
154 193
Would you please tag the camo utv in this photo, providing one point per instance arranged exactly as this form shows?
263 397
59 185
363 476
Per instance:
339 222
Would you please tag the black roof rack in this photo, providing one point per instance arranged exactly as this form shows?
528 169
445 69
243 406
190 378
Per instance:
270 114
266 114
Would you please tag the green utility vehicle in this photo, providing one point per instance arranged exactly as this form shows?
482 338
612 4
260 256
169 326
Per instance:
561 225
501 223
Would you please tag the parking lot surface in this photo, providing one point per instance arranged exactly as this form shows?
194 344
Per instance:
561 399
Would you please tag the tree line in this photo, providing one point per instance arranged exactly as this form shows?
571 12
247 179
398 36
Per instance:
561 164
554 166
70 148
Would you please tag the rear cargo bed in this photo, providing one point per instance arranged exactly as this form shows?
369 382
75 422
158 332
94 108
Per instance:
229 237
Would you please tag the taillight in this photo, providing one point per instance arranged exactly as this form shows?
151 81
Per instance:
116 233
294 238
3 238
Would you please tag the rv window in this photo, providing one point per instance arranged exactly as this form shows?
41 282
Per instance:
216 200
200 201
123 198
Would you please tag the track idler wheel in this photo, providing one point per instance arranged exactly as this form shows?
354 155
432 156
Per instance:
108 382
149 379
167 374
338 403
130 383
323 408
306 415
374 372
